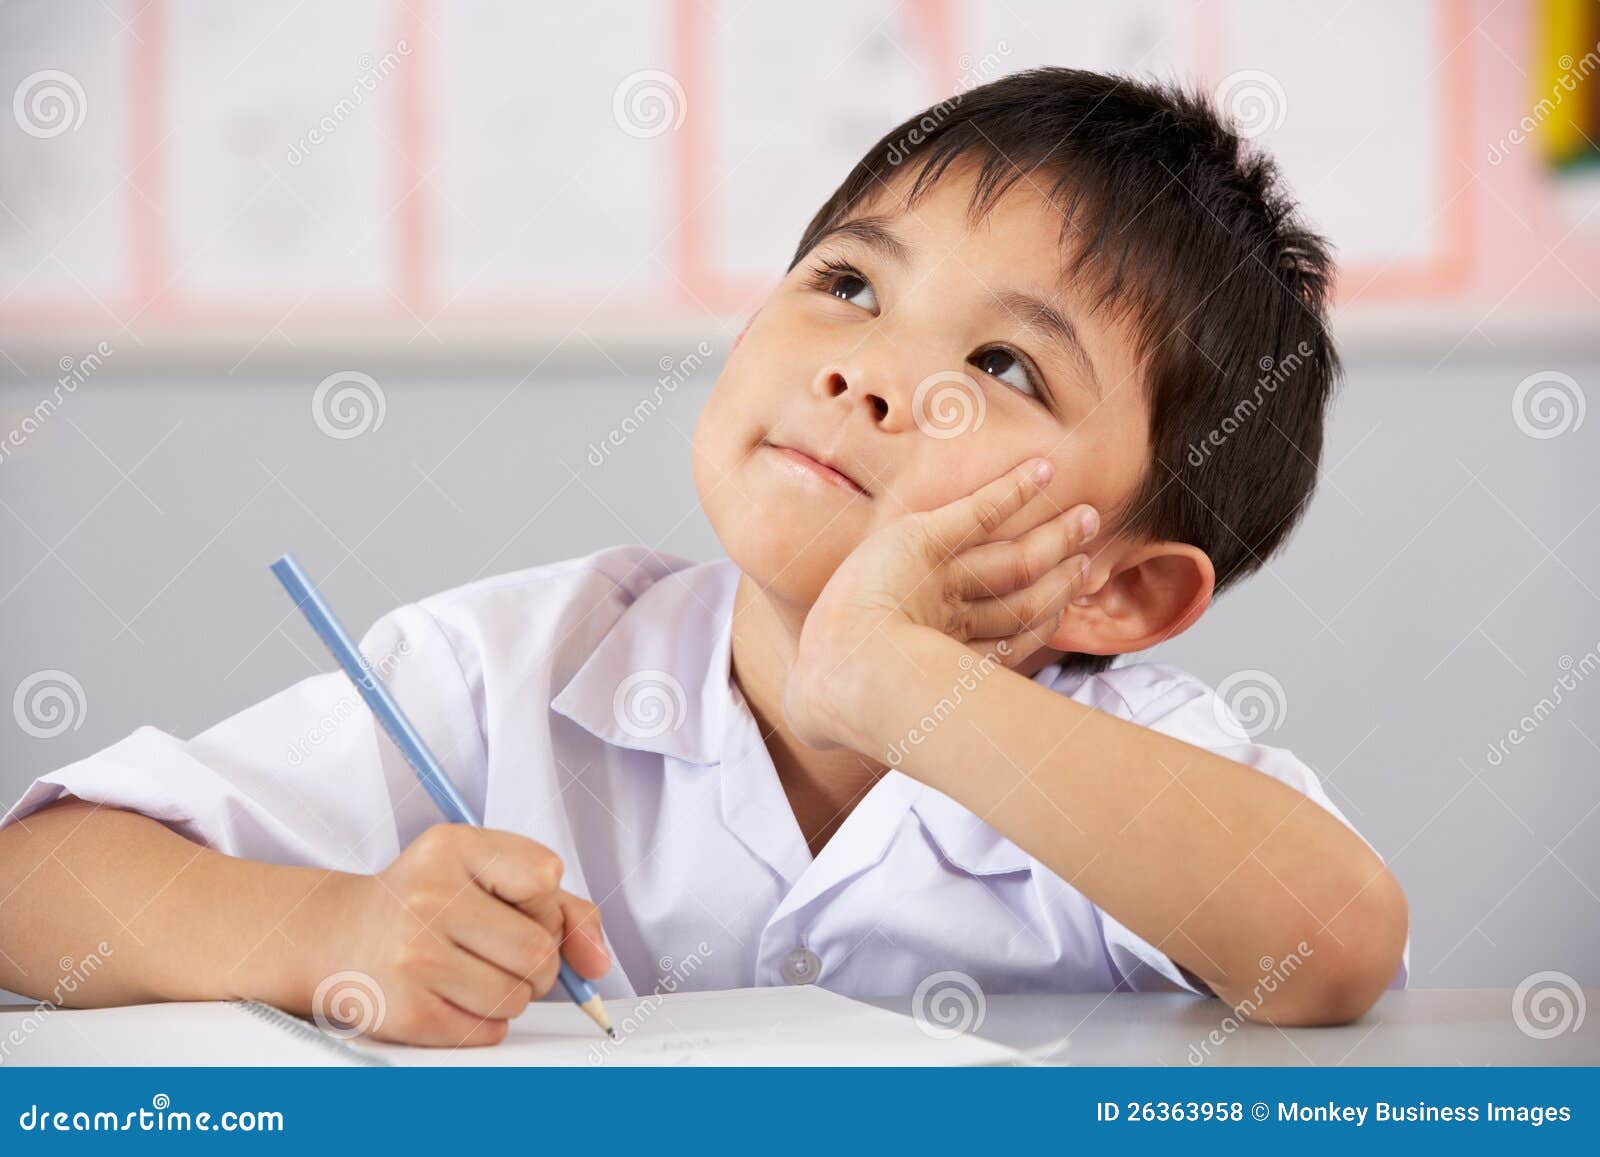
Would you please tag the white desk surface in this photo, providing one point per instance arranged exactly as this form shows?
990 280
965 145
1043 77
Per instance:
1467 1026
1440 1026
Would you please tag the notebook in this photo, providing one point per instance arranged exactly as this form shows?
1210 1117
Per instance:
802 1025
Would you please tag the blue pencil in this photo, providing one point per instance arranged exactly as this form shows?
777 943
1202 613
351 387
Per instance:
408 739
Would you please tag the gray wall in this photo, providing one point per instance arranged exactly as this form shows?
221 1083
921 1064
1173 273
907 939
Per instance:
1443 582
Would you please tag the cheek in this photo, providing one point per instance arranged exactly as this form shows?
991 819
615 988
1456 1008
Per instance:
722 428
715 449
1085 471
718 446
954 468
787 540
939 487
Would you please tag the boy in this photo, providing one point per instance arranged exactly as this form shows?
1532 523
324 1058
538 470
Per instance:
950 460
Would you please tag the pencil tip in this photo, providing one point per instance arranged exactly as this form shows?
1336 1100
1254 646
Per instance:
612 1033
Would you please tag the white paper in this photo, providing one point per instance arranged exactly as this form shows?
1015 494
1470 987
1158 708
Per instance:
738 1027
181 1033
745 1027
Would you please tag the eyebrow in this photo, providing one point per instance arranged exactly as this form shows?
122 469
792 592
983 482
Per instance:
874 233
1055 326
1032 312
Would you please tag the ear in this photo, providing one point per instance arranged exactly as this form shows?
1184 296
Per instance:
1136 598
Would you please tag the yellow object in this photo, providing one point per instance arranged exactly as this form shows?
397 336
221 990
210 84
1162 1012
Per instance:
1568 62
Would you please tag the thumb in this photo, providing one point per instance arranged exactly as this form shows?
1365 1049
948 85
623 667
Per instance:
583 943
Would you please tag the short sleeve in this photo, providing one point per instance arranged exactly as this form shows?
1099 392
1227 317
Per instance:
1175 703
307 776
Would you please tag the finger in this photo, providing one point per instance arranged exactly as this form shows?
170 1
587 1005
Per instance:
584 944
546 912
998 568
505 937
438 1023
1012 650
512 867
474 985
1038 606
519 871
974 519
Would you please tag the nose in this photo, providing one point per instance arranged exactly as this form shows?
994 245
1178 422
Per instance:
855 382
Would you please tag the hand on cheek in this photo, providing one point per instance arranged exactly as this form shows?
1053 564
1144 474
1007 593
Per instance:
994 569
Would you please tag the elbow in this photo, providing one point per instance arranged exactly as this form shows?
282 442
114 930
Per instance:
1353 959
1337 969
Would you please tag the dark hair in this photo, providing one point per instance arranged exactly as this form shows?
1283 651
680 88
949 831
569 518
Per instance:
1170 221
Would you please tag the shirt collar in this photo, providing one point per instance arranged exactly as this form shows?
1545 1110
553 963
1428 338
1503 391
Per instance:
660 678
966 841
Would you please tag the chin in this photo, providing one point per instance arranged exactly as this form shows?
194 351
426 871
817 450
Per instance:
787 541
779 560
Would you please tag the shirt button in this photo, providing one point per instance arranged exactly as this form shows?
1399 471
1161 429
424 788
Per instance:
802 966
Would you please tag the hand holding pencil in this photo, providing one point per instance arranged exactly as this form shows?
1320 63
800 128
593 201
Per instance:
469 924
460 933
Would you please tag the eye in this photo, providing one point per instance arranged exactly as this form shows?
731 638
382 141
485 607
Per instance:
997 362
844 281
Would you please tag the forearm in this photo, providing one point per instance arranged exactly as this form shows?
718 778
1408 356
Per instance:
177 921
1215 863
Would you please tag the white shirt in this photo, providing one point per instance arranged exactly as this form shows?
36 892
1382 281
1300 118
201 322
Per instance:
588 705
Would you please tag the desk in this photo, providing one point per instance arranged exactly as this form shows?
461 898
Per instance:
1440 1026
1471 1026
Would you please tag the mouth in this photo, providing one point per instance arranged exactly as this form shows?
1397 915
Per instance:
816 468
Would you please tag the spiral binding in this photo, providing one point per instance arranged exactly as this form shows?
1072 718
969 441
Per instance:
296 1027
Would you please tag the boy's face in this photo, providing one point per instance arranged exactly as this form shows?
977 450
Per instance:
919 377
